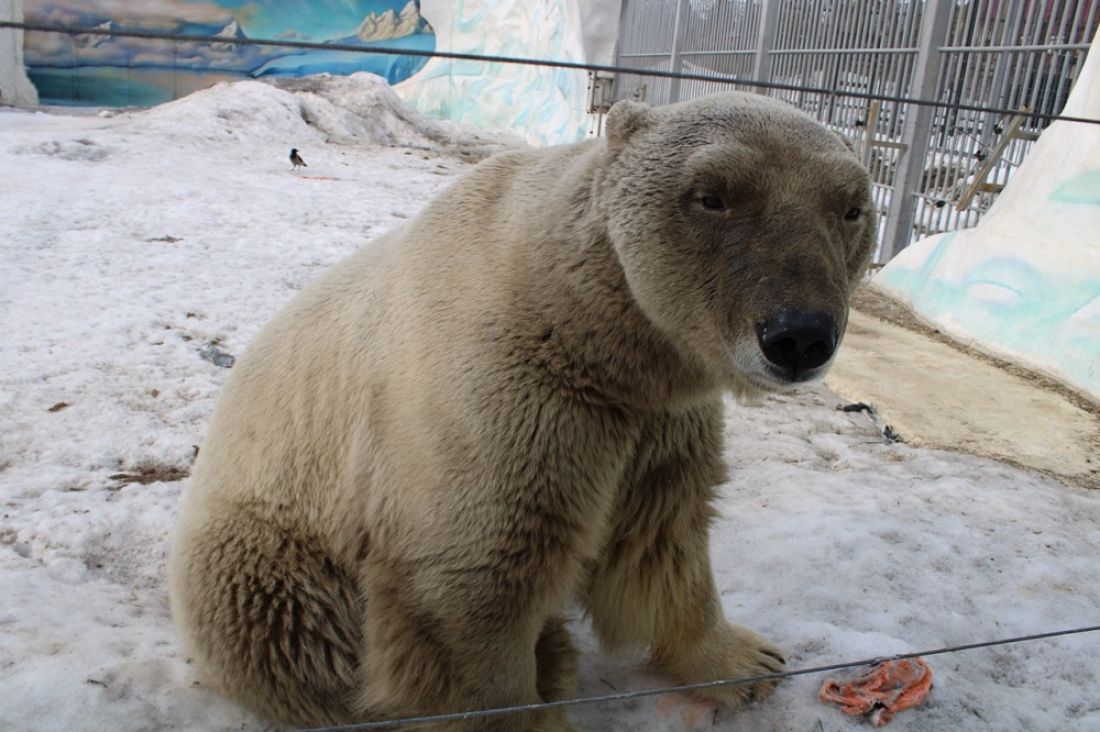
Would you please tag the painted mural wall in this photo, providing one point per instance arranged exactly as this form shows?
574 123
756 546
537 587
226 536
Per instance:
1025 283
114 71
543 105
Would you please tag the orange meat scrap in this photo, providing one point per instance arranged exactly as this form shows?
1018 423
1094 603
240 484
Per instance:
882 691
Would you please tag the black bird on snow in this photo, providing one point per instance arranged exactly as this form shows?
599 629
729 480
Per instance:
296 159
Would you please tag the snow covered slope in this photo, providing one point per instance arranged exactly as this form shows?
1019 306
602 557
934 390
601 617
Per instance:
135 249
361 108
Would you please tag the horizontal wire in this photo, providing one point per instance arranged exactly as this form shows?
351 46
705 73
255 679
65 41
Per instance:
623 696
653 73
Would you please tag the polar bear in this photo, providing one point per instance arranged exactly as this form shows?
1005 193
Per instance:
511 404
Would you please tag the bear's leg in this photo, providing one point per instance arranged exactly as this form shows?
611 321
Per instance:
655 588
482 653
556 662
665 599
273 620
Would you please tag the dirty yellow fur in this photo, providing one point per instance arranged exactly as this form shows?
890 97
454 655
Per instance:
506 406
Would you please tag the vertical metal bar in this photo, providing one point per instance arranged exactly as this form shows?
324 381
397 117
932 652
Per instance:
686 46
622 40
950 148
865 65
972 13
675 64
827 63
786 64
1016 64
917 130
1000 86
796 62
1030 71
983 79
874 64
900 77
1065 58
841 39
1079 33
1052 93
952 66
809 102
810 65
976 66
793 63
765 39
1090 24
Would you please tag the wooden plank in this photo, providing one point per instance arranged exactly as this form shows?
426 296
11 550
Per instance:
869 131
994 156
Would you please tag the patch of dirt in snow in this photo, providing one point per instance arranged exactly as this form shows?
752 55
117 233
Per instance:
877 303
939 393
81 149
147 474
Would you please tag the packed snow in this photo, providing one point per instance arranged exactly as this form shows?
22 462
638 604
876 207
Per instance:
140 250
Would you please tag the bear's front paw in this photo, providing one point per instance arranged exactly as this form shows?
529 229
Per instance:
748 654
731 652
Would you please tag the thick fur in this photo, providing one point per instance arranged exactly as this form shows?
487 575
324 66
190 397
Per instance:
510 404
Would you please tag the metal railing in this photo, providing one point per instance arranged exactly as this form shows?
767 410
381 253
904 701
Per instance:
934 169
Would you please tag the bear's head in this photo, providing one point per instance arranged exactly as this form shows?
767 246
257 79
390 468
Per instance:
742 226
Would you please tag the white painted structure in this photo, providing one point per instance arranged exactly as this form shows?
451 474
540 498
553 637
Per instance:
15 88
543 105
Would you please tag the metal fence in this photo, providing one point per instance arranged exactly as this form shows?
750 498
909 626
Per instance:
934 169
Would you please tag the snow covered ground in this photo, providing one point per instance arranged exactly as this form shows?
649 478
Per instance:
137 249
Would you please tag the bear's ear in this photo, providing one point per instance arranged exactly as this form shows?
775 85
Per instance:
624 119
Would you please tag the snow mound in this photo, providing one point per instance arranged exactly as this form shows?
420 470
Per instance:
356 109
238 111
363 107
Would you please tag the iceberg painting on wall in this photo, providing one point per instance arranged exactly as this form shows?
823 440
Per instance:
111 71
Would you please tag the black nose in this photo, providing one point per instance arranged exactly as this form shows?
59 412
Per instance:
797 341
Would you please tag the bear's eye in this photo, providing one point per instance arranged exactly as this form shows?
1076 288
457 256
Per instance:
853 214
712 203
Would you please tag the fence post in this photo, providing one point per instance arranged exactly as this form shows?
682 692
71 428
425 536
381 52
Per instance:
675 65
917 130
765 39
